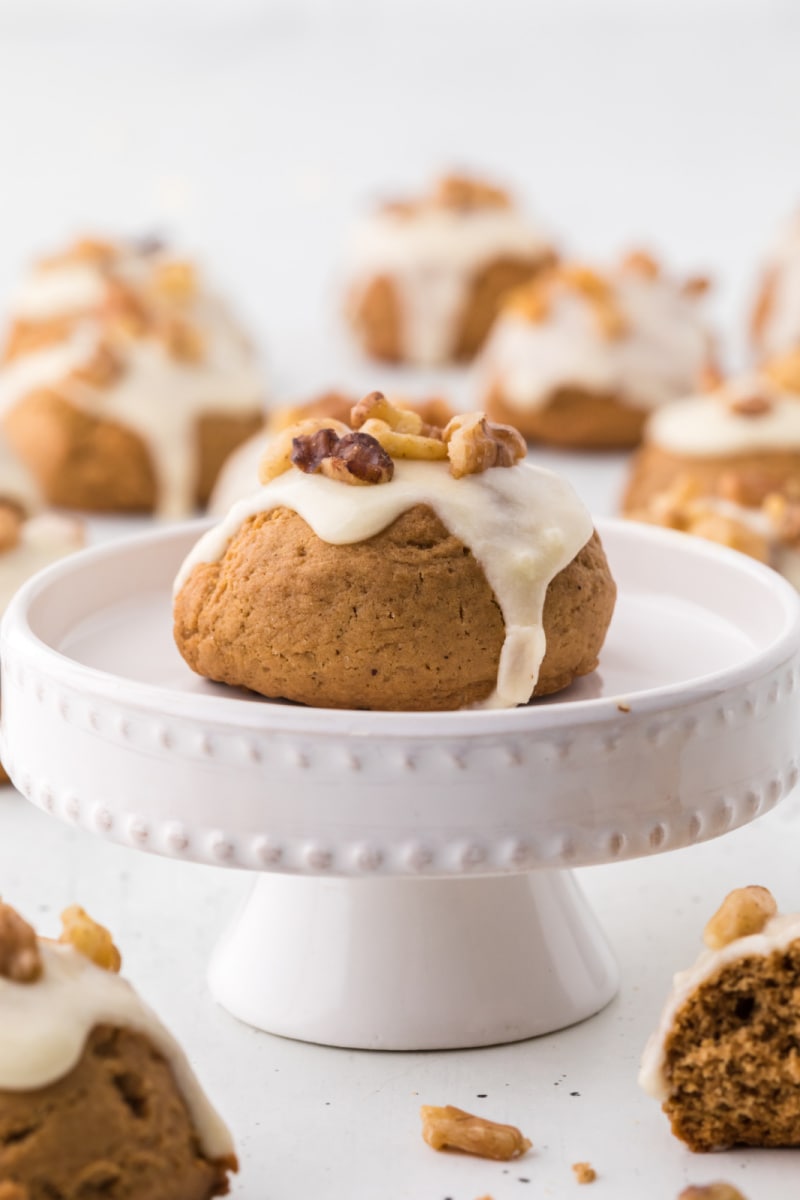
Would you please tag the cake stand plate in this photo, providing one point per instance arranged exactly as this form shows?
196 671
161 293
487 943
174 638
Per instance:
415 887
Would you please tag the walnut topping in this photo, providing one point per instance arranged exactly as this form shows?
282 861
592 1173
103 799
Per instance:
181 339
91 251
743 912
534 300
125 311
355 458
639 262
20 960
91 940
101 370
451 1128
401 432
464 192
695 286
278 456
475 444
784 514
751 405
11 519
711 1191
785 371
175 280
584 1172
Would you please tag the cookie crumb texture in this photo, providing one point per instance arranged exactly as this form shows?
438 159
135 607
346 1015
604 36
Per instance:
733 1057
403 621
115 1126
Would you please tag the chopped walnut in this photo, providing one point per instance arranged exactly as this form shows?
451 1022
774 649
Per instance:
599 294
784 514
711 1191
355 458
532 300
278 455
464 192
375 407
727 531
696 285
125 311
11 520
751 405
175 280
101 370
91 940
744 911
405 445
785 371
451 1128
183 341
93 251
20 960
584 1172
475 444
748 488
639 262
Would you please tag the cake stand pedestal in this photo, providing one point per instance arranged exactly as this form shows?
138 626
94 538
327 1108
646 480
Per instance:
415 887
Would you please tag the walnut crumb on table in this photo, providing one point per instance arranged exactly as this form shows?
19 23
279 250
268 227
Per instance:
450 1128
711 1191
584 1172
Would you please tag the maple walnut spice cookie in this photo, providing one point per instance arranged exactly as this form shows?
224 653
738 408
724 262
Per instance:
396 565
125 383
726 466
427 275
96 1097
724 1060
578 358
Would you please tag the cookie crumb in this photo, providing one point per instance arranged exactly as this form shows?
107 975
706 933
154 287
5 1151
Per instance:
584 1172
711 1191
20 961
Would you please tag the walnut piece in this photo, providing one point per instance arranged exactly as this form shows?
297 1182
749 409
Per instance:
91 940
696 286
584 1172
711 1191
752 405
475 444
10 525
451 1128
20 960
532 300
401 432
743 911
639 262
599 295
354 458
464 192
182 340
124 310
100 370
785 371
278 455
175 280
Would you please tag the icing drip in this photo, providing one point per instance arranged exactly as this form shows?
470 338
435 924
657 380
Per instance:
706 426
42 540
432 257
659 357
44 1027
777 934
157 395
523 524
781 328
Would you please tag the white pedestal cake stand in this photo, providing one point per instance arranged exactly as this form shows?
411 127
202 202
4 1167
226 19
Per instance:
415 888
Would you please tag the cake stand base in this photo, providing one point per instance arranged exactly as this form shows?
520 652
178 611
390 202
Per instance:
414 964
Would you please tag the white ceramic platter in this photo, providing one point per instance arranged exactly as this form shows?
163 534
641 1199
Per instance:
419 833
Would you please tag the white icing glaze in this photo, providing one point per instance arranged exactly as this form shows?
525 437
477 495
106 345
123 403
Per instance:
157 395
42 540
239 475
777 934
44 1027
55 291
781 328
706 426
659 357
523 524
432 257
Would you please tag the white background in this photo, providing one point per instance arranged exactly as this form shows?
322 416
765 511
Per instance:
254 132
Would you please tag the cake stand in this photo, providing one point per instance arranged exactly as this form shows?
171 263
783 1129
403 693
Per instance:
415 885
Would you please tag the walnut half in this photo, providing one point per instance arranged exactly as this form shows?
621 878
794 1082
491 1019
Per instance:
20 960
355 458
451 1128
474 445
743 912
